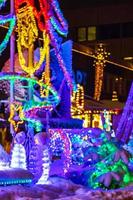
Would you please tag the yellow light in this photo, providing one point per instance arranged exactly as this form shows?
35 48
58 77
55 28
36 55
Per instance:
27 35
16 107
46 74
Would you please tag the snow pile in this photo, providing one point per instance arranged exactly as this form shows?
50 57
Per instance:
61 189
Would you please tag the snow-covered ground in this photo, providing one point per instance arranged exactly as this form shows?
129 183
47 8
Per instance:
62 189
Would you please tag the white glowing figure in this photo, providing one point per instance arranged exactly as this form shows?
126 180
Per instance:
46 167
18 158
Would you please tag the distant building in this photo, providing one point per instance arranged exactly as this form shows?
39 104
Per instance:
111 25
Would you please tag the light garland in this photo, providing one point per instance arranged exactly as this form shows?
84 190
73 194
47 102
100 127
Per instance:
99 64
26 26
11 20
60 24
27 35
52 100
46 74
31 69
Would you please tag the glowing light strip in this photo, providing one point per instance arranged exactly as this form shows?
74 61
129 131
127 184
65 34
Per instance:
59 55
54 98
60 26
2 3
108 61
11 19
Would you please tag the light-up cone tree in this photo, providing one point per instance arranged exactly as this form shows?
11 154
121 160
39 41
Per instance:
45 167
18 158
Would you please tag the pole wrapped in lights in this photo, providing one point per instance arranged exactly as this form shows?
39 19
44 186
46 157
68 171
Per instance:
99 63
3 20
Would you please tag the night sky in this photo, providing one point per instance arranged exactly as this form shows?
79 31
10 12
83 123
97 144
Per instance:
73 4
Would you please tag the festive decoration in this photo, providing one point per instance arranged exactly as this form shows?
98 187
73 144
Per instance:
125 126
18 159
58 133
77 99
35 162
3 20
114 96
46 167
13 118
99 63
107 121
27 35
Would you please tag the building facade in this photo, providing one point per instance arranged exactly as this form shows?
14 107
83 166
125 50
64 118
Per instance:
111 25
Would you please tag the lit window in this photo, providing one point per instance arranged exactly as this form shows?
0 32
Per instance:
81 34
91 33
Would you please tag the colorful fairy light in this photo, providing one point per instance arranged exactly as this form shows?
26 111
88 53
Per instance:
62 134
49 23
3 20
59 24
77 106
52 100
99 63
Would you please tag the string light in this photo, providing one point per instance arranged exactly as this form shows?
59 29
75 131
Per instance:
46 74
62 134
77 106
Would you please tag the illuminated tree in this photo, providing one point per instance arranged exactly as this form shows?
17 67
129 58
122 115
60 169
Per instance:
99 64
